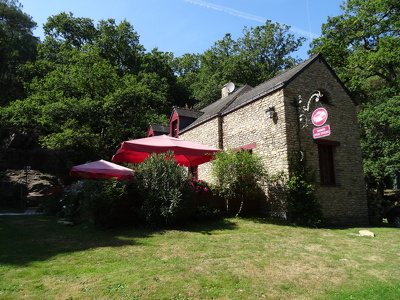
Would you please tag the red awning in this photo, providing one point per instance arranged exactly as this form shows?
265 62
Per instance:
186 153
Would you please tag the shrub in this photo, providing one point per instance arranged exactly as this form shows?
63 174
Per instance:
199 186
88 197
164 187
64 202
303 207
239 174
100 198
52 204
71 201
207 213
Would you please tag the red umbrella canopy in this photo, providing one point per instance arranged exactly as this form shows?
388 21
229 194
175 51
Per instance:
100 169
186 153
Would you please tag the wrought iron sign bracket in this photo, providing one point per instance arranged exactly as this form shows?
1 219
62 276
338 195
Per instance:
304 110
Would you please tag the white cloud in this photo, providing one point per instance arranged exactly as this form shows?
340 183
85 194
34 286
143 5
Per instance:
243 15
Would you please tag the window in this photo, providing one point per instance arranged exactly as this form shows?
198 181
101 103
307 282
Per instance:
326 151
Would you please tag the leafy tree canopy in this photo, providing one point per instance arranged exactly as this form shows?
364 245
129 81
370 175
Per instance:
91 87
17 46
363 45
260 54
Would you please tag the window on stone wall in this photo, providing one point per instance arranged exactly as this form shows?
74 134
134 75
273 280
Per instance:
326 153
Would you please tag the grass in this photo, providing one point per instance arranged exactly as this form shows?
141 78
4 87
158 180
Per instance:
226 259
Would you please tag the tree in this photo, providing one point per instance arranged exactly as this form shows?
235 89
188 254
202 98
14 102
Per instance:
380 138
261 53
363 47
87 94
17 46
239 175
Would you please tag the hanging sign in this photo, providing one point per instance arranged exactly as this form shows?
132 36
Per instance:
319 116
321 132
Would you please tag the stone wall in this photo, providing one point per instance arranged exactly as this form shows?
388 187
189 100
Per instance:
250 124
206 134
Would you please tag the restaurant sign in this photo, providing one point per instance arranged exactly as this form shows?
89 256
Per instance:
321 132
319 116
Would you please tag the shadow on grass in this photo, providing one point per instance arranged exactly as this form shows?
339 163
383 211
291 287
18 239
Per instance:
208 226
280 222
28 238
24 239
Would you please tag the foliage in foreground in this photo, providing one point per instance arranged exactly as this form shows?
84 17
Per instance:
296 194
91 198
239 174
164 187
160 194
303 207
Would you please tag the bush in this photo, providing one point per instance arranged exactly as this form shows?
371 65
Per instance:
303 207
207 213
52 204
165 189
199 186
240 175
71 201
64 202
100 199
96 199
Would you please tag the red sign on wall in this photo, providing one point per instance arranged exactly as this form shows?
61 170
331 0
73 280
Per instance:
319 116
321 132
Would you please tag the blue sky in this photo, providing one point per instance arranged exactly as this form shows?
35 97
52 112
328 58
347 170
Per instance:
192 26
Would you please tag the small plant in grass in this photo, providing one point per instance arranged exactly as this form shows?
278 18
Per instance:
165 189
239 174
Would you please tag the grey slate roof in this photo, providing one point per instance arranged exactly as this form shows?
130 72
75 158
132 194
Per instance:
160 128
246 94
189 113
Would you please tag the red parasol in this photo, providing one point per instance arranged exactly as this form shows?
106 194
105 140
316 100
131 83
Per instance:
186 153
100 169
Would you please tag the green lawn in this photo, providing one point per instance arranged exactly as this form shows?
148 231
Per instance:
227 259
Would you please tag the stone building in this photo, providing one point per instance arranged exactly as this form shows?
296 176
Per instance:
306 114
